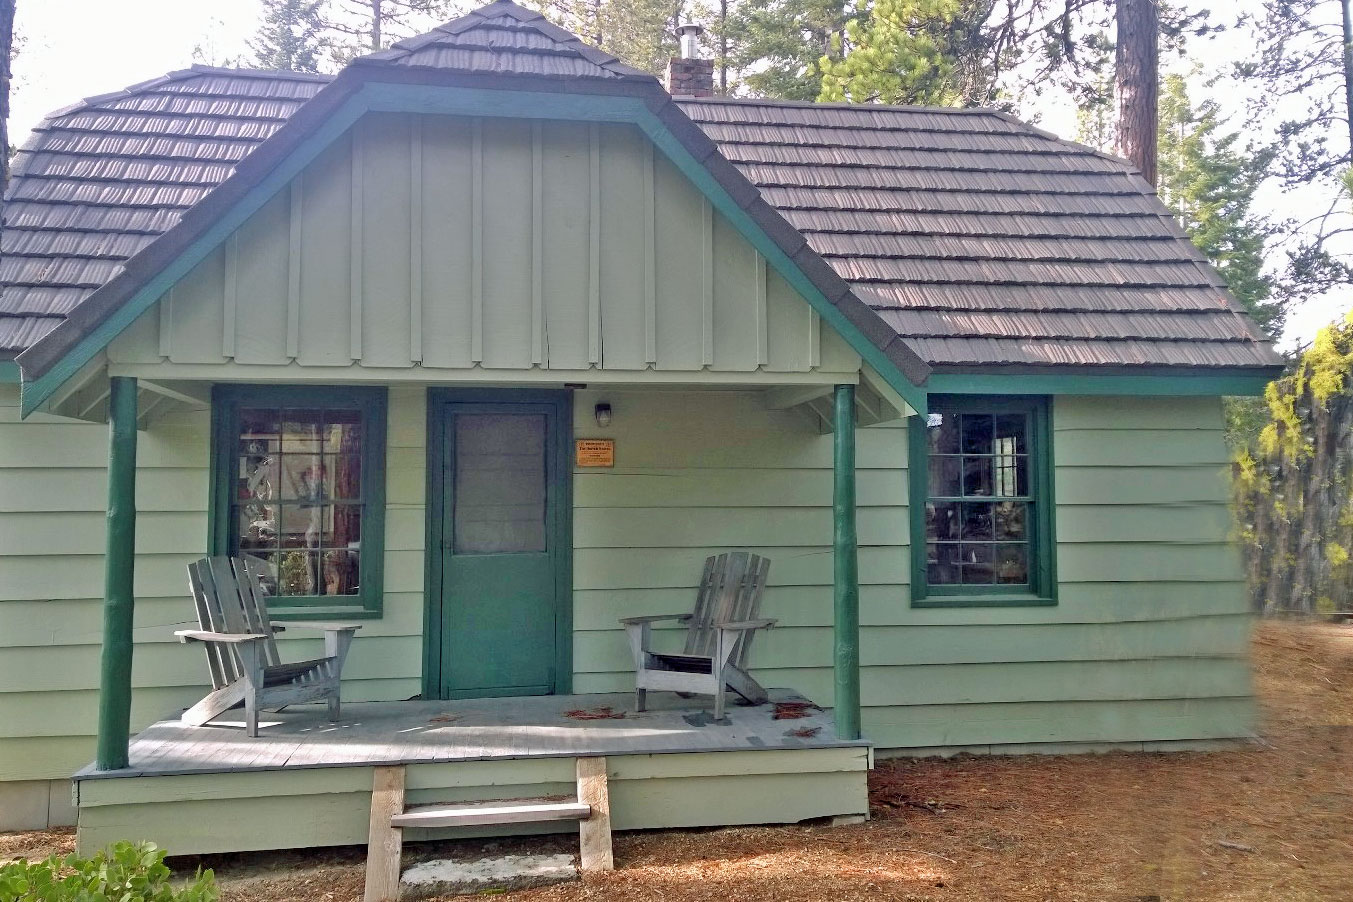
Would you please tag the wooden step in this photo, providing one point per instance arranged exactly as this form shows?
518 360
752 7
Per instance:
509 811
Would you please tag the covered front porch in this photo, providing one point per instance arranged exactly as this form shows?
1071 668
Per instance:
306 782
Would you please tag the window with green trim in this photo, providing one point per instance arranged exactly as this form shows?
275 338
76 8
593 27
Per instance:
299 475
981 466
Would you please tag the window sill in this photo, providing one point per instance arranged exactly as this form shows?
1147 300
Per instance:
983 601
305 612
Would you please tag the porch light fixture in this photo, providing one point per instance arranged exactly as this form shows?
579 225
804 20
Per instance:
603 414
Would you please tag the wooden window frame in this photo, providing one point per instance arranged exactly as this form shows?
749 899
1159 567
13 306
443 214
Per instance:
1042 586
372 403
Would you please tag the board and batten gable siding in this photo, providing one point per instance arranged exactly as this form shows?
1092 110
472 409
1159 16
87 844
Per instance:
53 498
486 249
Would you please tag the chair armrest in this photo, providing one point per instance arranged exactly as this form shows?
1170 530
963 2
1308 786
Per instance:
654 618
326 627
209 636
746 625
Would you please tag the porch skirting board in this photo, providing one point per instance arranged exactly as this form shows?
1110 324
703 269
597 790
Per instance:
330 806
1068 748
36 804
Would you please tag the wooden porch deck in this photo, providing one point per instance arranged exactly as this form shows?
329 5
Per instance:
305 782
483 729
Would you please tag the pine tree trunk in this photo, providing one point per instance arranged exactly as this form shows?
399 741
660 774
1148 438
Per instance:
1138 82
6 50
723 47
1348 67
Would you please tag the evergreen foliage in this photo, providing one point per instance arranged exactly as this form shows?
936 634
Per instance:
1292 491
290 36
1303 79
1208 181
640 32
894 51
356 27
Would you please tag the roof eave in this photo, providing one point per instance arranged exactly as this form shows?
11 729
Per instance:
48 363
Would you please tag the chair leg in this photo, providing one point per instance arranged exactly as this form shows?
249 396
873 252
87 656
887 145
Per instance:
252 677
641 699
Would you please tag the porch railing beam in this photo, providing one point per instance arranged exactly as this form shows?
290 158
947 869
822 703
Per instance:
115 682
846 569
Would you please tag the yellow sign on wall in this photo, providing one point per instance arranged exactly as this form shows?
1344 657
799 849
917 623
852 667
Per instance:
595 452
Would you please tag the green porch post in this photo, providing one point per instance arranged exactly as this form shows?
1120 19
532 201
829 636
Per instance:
846 570
115 684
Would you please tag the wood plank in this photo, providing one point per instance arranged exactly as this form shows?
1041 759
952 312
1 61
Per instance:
416 239
490 813
594 246
595 831
385 842
477 241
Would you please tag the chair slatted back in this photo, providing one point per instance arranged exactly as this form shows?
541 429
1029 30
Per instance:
229 599
730 591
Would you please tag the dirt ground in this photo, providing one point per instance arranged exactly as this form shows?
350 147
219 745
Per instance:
1270 821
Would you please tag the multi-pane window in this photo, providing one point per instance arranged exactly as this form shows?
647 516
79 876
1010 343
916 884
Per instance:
981 469
298 468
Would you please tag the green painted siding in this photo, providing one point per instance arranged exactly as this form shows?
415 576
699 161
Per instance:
332 806
1146 643
488 248
52 499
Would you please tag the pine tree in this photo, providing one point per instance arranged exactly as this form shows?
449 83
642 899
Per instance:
1208 181
776 46
357 27
290 35
640 32
895 51
1304 74
6 53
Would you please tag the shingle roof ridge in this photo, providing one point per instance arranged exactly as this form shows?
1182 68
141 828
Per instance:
252 72
483 16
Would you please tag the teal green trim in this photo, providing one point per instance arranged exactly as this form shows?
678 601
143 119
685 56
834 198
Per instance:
36 392
115 674
845 570
560 465
984 601
470 102
996 384
1043 541
225 405
9 372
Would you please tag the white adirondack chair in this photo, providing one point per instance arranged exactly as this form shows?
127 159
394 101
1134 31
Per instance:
718 637
241 655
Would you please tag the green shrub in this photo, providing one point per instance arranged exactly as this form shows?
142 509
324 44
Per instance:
124 872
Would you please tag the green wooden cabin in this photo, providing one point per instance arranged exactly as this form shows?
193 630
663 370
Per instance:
959 379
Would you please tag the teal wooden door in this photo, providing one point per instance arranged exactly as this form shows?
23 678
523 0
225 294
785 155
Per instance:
503 549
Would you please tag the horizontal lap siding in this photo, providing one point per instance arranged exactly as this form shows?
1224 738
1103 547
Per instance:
697 473
1148 640
1146 643
53 491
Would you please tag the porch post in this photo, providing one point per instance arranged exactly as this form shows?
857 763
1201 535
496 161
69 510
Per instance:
115 683
846 570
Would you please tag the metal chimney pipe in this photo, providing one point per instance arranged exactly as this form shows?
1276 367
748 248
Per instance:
689 35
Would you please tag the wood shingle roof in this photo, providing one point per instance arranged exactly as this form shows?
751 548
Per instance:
977 239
